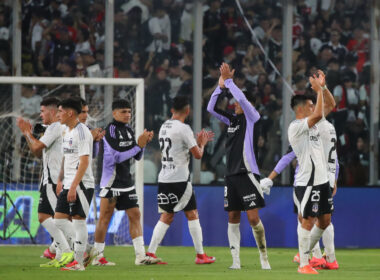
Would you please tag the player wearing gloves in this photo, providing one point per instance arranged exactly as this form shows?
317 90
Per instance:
243 191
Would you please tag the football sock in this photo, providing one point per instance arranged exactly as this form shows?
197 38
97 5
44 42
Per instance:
81 238
234 240
315 235
138 243
196 234
317 250
52 247
328 242
99 248
304 246
158 234
58 254
259 234
317 253
68 230
55 232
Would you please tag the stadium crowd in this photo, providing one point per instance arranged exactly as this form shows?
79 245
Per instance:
153 40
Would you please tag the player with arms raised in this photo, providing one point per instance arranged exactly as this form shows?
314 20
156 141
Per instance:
313 195
243 191
175 192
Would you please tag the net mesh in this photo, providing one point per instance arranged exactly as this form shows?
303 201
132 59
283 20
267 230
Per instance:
20 170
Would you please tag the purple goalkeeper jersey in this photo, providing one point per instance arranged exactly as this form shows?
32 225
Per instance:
287 159
119 147
240 141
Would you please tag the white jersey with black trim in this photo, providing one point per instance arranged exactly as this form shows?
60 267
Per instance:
77 142
176 139
307 145
328 137
52 153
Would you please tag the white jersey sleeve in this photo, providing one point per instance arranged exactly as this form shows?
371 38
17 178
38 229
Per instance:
52 133
188 138
52 153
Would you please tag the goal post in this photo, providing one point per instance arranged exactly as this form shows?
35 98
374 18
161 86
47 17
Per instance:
137 107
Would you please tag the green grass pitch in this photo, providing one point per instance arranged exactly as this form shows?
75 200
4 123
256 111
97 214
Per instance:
22 262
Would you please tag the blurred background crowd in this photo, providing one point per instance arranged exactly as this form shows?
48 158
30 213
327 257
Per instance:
153 40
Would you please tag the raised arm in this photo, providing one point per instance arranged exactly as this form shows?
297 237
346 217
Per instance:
317 115
249 110
203 137
213 110
329 100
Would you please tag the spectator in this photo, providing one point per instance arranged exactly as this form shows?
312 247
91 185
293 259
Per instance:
336 47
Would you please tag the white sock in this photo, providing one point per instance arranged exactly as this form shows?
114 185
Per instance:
100 248
58 254
52 247
55 232
328 242
158 234
68 230
315 235
234 241
259 234
196 234
81 238
317 253
138 243
304 246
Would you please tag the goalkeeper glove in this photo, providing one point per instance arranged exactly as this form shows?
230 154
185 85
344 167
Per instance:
266 184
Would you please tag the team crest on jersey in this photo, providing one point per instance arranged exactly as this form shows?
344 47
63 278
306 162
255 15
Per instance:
225 202
71 141
315 208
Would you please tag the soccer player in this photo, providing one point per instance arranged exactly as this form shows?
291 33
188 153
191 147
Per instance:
175 192
75 178
328 137
49 146
117 186
243 191
313 195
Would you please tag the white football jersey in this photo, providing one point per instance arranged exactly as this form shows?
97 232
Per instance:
328 137
176 139
76 143
52 154
307 145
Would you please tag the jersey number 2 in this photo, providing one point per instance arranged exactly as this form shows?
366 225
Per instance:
333 148
165 142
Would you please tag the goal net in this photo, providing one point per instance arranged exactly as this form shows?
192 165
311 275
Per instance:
20 170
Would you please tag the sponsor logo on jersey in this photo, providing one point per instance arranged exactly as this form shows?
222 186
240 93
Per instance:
68 151
233 129
125 143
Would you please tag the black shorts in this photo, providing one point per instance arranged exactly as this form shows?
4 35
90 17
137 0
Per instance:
313 201
295 208
124 200
243 192
48 199
80 207
175 197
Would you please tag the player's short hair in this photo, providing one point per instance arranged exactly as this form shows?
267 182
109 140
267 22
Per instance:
300 99
50 101
180 102
71 103
120 104
82 102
